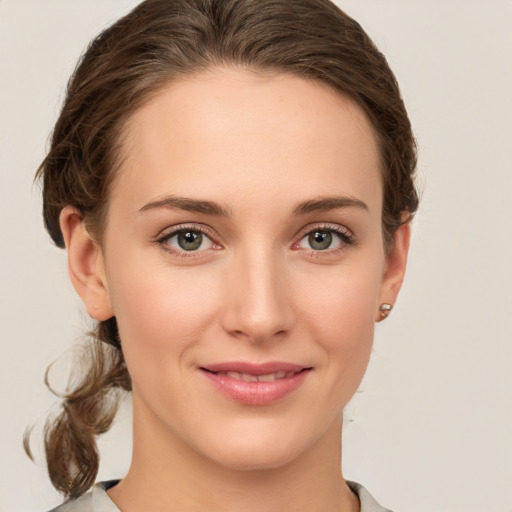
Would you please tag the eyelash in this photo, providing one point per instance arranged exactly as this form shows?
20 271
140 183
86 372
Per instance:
345 236
163 240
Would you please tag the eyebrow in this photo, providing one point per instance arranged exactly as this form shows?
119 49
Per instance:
328 203
319 204
187 204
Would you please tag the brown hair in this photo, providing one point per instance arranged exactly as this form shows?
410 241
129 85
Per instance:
159 41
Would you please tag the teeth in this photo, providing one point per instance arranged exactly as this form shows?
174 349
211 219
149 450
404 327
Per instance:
270 377
248 378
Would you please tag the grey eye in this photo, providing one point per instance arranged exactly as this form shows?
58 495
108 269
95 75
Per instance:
189 240
186 240
320 240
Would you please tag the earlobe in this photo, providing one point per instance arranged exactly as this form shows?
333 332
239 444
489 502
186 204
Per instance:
85 265
396 262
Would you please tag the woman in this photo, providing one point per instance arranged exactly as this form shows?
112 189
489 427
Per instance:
233 184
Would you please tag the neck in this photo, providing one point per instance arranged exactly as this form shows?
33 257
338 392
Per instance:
167 474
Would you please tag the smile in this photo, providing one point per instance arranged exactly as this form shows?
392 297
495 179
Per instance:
247 377
251 384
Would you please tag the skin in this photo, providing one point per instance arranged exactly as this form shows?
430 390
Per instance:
258 145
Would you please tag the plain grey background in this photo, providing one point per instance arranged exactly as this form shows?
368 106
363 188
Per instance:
431 428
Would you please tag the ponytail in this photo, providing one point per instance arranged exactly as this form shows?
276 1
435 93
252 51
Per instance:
88 410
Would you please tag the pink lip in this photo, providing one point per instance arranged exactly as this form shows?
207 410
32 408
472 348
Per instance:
255 393
254 369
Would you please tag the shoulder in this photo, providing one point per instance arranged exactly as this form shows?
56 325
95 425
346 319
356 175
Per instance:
97 500
81 504
368 502
94 500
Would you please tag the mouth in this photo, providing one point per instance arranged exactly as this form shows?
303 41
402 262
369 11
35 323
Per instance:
247 377
256 384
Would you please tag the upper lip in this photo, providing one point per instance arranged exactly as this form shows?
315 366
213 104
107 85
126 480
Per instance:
254 368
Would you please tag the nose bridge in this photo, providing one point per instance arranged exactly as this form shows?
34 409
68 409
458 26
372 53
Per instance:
258 304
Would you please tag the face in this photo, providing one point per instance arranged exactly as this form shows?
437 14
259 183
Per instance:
243 259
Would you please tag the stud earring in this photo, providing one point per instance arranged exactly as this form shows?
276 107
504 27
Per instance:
385 309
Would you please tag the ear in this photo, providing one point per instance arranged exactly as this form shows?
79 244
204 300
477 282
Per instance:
85 265
394 270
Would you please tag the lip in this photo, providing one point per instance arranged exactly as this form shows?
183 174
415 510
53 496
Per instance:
258 392
254 368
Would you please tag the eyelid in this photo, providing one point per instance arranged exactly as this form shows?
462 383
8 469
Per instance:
326 226
169 232
172 230
345 234
348 238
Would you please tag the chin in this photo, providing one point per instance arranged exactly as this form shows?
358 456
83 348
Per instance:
265 449
257 459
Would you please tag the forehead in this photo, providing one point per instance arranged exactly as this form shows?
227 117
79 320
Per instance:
237 133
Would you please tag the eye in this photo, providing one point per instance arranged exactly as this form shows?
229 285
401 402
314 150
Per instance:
186 240
326 239
320 240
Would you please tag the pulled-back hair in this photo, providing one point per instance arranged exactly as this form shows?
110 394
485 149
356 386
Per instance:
123 68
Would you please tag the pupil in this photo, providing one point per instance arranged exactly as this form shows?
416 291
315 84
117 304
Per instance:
320 240
189 240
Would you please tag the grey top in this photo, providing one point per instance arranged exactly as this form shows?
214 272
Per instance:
97 500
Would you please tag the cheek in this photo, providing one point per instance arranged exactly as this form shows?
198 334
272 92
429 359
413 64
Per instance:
160 313
342 303
340 312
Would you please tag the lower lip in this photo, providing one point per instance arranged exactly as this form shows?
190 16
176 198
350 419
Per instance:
256 393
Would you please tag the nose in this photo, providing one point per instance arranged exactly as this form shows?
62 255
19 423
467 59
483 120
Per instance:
257 304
